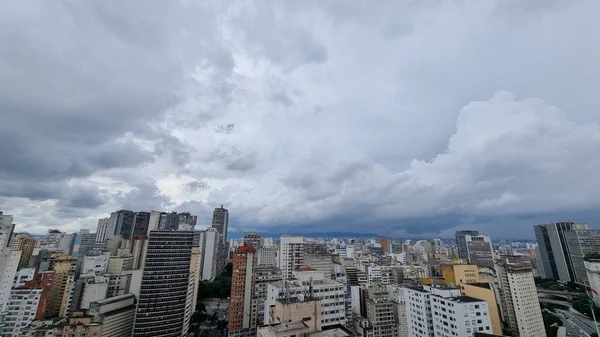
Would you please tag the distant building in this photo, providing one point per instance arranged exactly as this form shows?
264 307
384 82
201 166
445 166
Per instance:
124 223
291 254
386 245
253 240
104 231
211 243
267 256
220 221
581 242
592 268
479 250
317 257
116 314
263 275
6 229
462 243
141 222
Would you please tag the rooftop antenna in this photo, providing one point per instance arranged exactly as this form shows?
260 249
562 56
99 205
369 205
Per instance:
286 294
310 289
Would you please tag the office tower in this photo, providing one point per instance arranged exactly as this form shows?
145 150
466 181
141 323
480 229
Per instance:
9 263
307 284
6 229
443 311
141 221
581 242
210 249
187 221
242 320
168 222
461 242
220 221
102 230
592 268
168 260
552 243
252 239
479 250
124 223
116 314
291 254
386 244
380 312
317 257
519 300
263 275
154 220
267 256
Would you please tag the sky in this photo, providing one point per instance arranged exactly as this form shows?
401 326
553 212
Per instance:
409 118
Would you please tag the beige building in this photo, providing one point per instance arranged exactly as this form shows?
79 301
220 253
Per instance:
308 312
485 292
381 312
117 264
519 299
64 272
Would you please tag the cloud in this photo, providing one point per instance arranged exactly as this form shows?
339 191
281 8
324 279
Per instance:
408 118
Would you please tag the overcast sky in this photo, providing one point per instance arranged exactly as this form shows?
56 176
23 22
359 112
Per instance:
402 118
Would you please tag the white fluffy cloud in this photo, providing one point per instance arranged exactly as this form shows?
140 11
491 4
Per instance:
305 115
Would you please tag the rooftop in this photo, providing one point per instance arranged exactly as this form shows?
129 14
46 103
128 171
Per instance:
337 330
465 299
485 285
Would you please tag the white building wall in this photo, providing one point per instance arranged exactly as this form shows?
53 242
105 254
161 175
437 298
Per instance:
23 275
6 229
102 229
289 246
209 254
20 311
95 264
9 262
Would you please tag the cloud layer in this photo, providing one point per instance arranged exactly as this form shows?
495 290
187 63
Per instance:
406 118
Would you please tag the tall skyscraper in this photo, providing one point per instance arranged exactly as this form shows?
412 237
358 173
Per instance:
102 230
580 242
220 221
519 300
242 319
386 244
552 242
252 239
124 223
187 221
479 250
211 241
141 221
162 305
380 312
291 254
461 242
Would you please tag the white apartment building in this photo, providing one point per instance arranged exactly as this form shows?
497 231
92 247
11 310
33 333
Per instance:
267 256
291 254
23 275
519 299
592 268
9 263
210 249
442 311
20 311
331 294
102 231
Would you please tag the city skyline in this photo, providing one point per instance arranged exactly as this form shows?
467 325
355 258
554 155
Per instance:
442 116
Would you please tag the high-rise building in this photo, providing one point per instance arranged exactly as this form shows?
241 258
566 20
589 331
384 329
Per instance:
9 263
6 229
552 243
519 299
291 254
64 276
242 309
267 256
141 221
581 242
154 221
87 242
211 241
26 244
479 250
307 284
317 257
462 243
116 314
124 223
396 295
162 305
103 231
380 312
263 275
386 245
187 221
253 240
21 311
220 221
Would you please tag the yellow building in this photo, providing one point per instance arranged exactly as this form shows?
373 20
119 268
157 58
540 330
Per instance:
472 284
484 291
64 272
